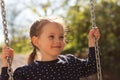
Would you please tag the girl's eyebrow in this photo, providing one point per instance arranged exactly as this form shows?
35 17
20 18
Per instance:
60 33
52 33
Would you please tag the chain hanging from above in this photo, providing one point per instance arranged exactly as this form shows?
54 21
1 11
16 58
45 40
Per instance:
4 22
97 53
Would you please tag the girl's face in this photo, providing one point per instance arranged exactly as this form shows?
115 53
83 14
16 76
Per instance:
51 41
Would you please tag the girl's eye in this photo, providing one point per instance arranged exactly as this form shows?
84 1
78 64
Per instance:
51 37
61 37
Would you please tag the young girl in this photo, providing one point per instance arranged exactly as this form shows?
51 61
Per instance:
47 38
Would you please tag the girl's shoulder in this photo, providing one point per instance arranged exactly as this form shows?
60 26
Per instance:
67 58
70 58
25 68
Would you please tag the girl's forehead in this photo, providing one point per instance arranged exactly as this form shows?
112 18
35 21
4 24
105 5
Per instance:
53 26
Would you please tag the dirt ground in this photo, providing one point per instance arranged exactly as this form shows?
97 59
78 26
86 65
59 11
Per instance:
20 60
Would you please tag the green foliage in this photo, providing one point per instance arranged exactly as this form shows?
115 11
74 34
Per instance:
107 18
21 44
110 33
0 49
78 26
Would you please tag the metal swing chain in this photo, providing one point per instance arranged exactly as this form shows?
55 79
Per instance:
4 22
97 53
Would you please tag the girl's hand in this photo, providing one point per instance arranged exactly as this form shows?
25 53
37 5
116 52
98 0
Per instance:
6 52
93 34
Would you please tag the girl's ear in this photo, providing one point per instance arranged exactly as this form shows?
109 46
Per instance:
35 41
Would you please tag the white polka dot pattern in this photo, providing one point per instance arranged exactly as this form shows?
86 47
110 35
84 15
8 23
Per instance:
66 67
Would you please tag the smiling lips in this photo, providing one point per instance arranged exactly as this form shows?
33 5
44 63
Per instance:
56 46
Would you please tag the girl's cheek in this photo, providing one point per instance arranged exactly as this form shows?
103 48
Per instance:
64 44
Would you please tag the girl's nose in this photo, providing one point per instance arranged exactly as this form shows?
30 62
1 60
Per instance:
57 40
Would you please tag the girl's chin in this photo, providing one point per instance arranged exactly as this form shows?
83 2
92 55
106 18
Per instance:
55 54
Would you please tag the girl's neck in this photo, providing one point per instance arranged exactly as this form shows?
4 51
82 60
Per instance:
48 59
41 57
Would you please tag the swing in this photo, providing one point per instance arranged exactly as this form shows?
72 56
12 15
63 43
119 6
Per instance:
9 61
97 54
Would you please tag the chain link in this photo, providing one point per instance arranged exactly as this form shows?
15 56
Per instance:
97 53
92 13
4 22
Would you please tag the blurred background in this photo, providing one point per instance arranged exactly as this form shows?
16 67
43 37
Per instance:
76 14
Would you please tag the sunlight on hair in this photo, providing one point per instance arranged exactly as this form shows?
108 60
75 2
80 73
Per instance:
54 19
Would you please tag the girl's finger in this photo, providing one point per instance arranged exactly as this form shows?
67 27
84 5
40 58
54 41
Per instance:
6 51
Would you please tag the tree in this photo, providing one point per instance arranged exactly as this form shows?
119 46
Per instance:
107 18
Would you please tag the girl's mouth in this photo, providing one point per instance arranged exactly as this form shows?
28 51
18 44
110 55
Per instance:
56 46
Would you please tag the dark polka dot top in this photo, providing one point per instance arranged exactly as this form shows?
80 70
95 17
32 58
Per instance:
66 67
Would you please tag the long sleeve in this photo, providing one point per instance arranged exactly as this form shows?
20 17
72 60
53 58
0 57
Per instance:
17 74
84 67
4 74
0 77
89 66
